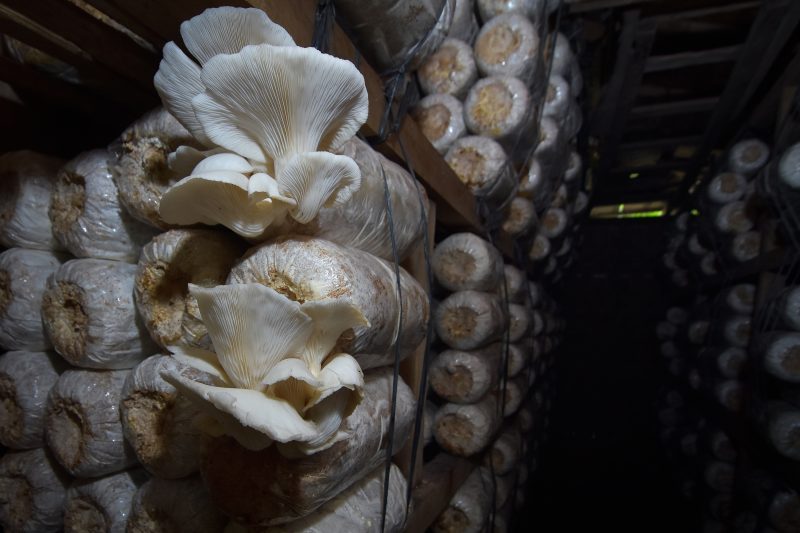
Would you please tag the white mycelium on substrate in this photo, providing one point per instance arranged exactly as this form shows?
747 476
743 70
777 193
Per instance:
508 45
276 110
464 261
520 217
167 265
26 188
174 505
465 377
498 107
782 356
466 320
87 216
82 423
25 381
102 504
159 422
748 156
726 187
32 492
450 70
441 118
23 277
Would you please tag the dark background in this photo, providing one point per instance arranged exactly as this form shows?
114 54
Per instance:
602 467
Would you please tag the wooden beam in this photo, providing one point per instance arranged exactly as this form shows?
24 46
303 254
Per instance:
691 59
668 142
634 49
103 43
583 6
662 165
771 30
698 105
443 477
91 73
705 12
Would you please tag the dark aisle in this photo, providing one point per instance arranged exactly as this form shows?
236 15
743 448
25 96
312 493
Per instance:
602 468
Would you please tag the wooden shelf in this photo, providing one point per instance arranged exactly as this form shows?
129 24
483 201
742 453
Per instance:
442 478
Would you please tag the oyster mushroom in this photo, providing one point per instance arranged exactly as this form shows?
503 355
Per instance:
25 381
309 269
277 110
86 214
275 376
23 277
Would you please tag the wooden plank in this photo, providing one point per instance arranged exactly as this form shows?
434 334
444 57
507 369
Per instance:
769 33
411 368
705 12
635 48
668 142
697 105
103 43
661 165
691 59
52 89
109 83
130 21
583 6
443 476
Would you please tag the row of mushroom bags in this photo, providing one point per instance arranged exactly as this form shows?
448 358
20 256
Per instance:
213 292
729 407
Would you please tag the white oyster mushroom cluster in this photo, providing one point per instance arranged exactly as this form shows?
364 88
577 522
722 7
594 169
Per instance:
276 374
270 114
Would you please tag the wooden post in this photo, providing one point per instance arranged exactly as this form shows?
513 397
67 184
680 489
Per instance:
411 368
